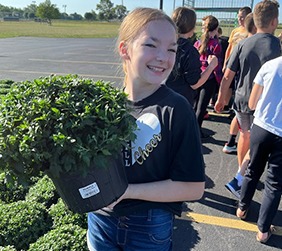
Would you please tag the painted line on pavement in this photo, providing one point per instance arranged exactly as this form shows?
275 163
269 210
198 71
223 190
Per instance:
226 222
60 73
73 62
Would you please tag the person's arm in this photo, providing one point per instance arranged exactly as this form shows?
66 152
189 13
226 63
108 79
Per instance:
227 55
255 95
164 191
223 89
212 61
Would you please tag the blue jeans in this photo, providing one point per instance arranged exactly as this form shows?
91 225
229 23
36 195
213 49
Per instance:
150 230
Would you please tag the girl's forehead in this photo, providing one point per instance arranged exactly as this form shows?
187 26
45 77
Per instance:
159 28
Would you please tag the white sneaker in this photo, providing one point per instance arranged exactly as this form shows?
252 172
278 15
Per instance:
229 149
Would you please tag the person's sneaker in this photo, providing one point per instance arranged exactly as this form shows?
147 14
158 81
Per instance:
229 149
233 187
210 105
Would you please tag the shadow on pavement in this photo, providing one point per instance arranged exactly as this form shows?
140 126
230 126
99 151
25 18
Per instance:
187 236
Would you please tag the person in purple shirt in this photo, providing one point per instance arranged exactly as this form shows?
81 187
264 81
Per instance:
208 45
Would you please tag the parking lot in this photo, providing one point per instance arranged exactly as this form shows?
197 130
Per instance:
209 224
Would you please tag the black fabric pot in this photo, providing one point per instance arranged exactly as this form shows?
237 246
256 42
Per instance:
99 188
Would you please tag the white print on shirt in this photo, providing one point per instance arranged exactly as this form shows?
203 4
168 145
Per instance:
147 138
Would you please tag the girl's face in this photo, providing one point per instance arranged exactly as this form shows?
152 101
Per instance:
150 57
241 18
204 26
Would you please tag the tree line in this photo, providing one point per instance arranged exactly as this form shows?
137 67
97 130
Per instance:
106 11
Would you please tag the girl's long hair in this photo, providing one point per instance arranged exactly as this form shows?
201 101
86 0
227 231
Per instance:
211 23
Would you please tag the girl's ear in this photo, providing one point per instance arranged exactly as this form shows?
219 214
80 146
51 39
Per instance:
123 50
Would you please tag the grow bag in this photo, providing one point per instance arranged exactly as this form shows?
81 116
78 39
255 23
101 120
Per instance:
99 188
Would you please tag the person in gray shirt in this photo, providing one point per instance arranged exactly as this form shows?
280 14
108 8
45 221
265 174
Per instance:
246 59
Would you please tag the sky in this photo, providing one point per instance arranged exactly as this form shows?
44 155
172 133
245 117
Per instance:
82 6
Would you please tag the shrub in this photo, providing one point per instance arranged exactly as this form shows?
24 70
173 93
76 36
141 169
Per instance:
5 86
43 192
7 248
61 215
22 223
66 237
13 193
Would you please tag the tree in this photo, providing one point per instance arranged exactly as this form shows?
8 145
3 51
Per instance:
75 16
88 16
47 10
30 10
120 11
106 10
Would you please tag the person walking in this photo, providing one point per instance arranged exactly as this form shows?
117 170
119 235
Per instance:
265 147
164 164
208 45
186 75
246 59
238 34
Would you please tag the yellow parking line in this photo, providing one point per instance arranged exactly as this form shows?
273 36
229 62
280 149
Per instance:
226 222
219 114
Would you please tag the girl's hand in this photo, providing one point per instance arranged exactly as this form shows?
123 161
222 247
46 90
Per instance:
212 61
112 205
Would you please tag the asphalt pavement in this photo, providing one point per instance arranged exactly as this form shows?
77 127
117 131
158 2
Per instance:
209 224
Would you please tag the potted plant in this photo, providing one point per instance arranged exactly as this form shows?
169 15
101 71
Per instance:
67 127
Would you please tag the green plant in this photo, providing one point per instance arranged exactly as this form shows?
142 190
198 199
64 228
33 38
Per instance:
61 215
7 248
61 124
5 86
22 223
71 237
13 193
43 191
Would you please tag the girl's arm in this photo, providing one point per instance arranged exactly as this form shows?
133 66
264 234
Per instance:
255 95
164 191
212 61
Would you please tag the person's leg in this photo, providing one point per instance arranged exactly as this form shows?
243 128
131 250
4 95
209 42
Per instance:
260 146
272 190
244 122
102 233
230 146
204 97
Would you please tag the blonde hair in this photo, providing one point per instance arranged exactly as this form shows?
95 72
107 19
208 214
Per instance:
136 21
211 23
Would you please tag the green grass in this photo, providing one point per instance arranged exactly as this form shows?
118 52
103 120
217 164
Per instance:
59 29
72 29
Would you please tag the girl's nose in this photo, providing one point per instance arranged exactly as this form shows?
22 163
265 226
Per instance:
162 55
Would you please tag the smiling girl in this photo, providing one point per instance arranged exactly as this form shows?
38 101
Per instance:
164 165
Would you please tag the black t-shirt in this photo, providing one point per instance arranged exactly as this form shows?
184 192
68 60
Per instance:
186 71
168 146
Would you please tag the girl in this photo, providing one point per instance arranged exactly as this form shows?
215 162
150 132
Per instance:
208 45
186 75
164 165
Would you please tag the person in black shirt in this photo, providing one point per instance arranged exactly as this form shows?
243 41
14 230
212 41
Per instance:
186 75
164 164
